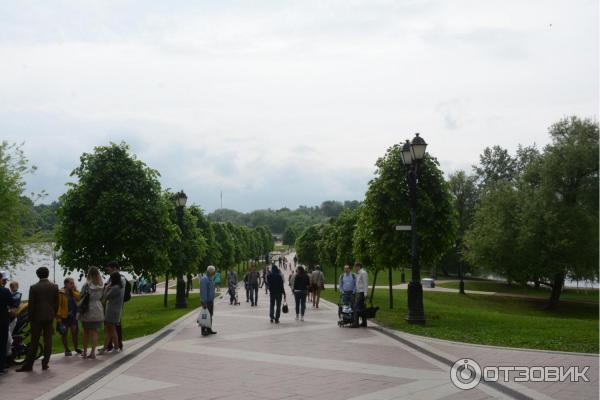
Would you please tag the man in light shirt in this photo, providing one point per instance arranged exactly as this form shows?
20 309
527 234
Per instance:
362 287
347 285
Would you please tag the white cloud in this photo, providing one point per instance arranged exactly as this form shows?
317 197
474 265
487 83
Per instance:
302 95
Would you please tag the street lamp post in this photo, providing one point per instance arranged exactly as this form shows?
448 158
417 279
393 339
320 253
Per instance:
412 156
180 299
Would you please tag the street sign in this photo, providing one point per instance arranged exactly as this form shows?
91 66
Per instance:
403 227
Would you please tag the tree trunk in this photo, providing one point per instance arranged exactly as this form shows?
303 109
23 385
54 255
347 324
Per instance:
335 277
166 288
373 287
559 281
391 296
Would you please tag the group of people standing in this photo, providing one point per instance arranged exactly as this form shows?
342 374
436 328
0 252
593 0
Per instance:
98 303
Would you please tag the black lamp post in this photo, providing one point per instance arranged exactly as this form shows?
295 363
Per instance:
180 298
412 156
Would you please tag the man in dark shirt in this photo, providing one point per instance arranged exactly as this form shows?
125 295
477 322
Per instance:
277 290
6 303
42 307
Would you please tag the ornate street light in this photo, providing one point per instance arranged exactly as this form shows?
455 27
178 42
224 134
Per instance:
180 298
412 156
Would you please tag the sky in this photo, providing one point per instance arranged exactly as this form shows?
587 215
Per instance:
287 103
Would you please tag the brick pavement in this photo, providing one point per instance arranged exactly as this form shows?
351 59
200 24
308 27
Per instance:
250 358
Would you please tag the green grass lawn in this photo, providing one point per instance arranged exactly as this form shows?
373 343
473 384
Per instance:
543 292
494 320
143 315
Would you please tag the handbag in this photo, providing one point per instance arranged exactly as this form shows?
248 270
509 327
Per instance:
204 318
285 309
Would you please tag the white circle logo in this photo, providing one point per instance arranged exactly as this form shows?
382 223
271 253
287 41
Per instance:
465 374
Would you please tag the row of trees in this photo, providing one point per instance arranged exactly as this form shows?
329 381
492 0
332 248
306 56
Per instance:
531 217
117 210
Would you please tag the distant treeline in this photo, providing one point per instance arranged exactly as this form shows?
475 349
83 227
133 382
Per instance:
279 220
39 220
38 224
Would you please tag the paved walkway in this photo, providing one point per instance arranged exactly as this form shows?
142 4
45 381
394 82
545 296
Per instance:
251 358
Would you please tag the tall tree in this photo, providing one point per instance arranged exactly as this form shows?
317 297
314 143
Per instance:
495 165
227 247
560 216
13 167
307 246
115 211
328 248
465 195
289 236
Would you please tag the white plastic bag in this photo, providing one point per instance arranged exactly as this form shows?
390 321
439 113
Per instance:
204 318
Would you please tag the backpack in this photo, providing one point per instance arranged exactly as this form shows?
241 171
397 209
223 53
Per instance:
84 301
127 295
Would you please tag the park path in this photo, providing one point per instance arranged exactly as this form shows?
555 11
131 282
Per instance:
251 358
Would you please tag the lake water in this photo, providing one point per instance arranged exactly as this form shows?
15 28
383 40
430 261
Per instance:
41 256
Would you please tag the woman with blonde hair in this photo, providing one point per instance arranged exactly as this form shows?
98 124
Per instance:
91 313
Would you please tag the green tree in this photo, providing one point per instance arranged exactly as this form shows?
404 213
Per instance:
328 248
115 211
331 208
387 204
227 247
189 247
307 246
559 218
491 241
13 210
465 197
495 165
289 236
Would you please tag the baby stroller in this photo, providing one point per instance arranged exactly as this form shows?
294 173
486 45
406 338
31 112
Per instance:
345 310
233 298
21 334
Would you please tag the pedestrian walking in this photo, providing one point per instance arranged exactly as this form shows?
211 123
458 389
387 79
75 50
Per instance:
66 317
6 304
113 296
264 280
207 296
247 286
90 311
254 281
295 260
318 283
362 287
277 290
232 281
42 307
301 283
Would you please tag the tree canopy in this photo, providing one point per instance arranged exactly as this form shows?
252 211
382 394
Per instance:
114 211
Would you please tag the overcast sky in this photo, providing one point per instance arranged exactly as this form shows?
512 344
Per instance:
286 103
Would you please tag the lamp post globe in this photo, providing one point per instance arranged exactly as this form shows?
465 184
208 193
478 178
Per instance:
407 157
418 147
180 298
